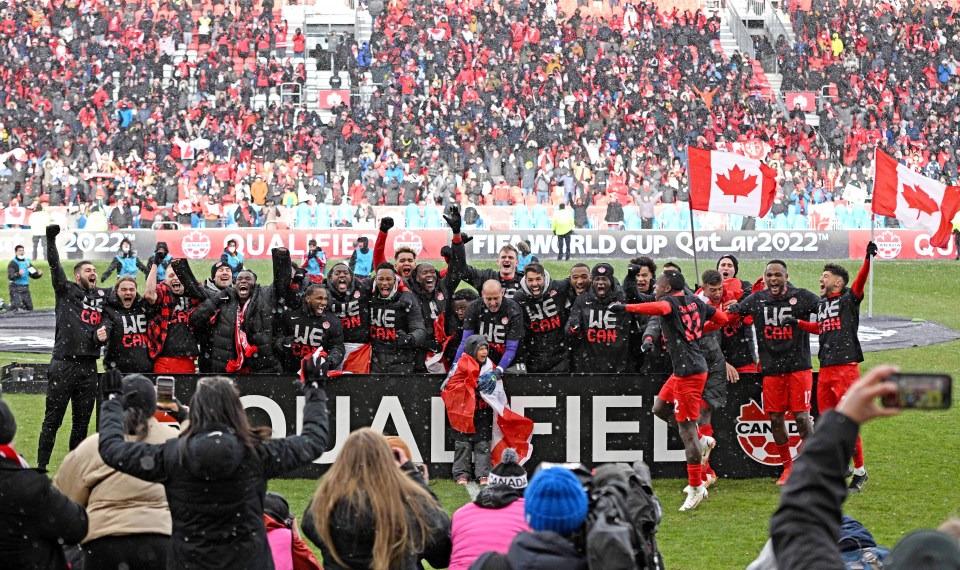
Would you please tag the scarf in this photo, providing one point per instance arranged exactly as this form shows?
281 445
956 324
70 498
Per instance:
7 452
242 345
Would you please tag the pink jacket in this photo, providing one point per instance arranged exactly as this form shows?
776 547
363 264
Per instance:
476 530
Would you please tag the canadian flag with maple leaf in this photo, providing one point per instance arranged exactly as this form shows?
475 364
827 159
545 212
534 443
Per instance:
920 203
729 183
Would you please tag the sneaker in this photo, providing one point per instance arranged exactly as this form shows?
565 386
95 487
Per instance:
784 476
709 478
856 484
707 444
695 495
462 481
483 481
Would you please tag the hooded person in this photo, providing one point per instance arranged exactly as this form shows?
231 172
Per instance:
544 302
36 519
308 328
470 416
555 505
125 263
125 319
494 518
240 321
602 336
396 325
130 521
215 473
161 255
286 546
361 261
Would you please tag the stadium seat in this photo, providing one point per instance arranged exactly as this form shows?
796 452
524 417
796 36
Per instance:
344 212
780 222
540 219
322 216
413 217
800 222
431 217
521 218
631 219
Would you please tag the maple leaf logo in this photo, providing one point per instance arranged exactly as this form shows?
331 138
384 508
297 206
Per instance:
736 183
918 200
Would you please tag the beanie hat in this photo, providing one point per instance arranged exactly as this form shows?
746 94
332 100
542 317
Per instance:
509 472
8 424
276 507
138 392
555 500
928 549
473 344
602 270
216 266
733 259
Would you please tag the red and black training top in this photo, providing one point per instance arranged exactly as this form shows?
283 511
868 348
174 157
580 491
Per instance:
783 348
838 320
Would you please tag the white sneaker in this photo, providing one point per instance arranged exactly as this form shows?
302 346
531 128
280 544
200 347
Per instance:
694 497
707 444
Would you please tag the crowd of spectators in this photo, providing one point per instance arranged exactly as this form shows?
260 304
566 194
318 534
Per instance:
491 104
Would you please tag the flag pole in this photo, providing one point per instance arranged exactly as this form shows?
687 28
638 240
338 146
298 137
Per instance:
873 217
693 235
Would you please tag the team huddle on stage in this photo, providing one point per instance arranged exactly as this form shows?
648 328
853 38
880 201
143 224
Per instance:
371 316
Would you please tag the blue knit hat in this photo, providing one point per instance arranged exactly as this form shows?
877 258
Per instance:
555 500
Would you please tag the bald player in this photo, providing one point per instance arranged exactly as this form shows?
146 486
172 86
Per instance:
499 320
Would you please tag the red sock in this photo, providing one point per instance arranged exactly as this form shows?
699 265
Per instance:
706 430
785 457
694 475
858 454
706 466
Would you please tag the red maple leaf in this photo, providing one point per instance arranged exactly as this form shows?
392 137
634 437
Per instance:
736 184
919 200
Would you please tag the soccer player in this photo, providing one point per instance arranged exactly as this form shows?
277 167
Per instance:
396 325
173 345
72 375
307 328
499 320
350 300
579 279
506 273
683 318
544 304
784 353
837 322
601 338
124 329
404 258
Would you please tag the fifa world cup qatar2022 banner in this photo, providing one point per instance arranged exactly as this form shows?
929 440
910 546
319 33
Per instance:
591 419
197 244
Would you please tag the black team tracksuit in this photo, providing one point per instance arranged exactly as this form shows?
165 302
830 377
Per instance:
127 348
545 346
503 330
301 333
72 375
603 337
396 332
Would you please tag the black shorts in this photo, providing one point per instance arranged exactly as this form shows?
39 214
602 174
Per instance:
715 390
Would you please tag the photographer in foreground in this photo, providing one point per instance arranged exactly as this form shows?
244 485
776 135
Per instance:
806 526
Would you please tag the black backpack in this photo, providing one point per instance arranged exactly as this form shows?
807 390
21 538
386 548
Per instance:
624 515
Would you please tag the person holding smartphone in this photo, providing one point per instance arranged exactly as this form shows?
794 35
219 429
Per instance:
837 323
20 271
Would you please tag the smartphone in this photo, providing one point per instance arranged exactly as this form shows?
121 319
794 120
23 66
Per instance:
919 391
165 388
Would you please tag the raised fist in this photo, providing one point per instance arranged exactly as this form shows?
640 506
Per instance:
453 219
53 230
871 250
385 224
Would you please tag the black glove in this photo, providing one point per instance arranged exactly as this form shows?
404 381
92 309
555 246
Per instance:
465 238
103 278
617 308
111 385
385 224
647 345
159 257
404 338
182 412
871 250
53 230
313 374
789 321
299 275
734 309
632 273
453 219
433 345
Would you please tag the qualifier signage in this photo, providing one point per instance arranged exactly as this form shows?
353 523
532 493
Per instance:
578 418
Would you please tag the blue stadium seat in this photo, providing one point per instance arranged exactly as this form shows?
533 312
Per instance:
540 219
800 223
521 218
792 210
631 219
668 219
431 218
345 212
780 222
413 218
228 212
734 222
322 215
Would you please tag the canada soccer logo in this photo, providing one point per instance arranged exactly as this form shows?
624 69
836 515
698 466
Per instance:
756 437
195 245
888 244
408 239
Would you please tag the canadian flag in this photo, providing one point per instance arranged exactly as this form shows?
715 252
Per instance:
920 203
730 183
